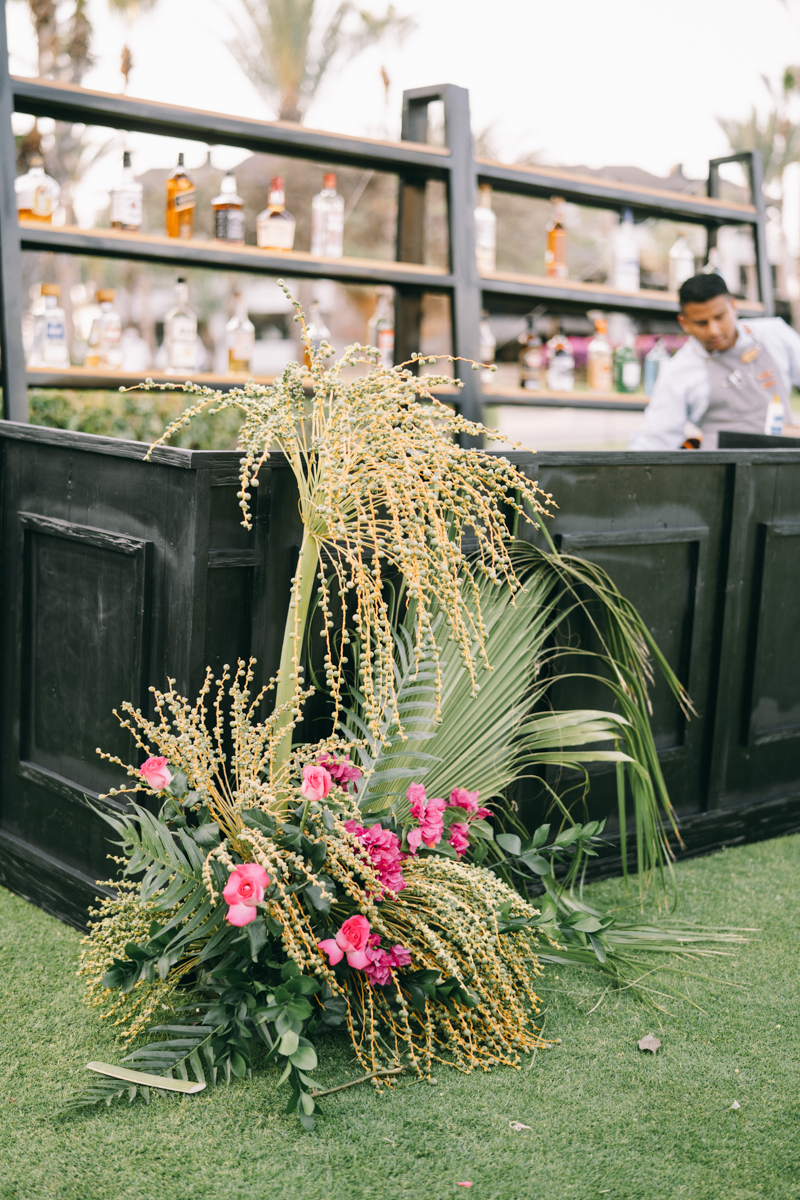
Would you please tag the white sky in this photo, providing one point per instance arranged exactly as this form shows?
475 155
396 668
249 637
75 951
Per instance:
582 81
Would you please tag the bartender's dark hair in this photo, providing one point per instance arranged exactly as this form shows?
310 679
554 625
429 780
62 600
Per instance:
700 288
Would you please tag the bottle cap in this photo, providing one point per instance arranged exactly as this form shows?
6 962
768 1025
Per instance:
180 159
181 279
276 183
50 289
601 325
105 295
329 182
228 183
126 158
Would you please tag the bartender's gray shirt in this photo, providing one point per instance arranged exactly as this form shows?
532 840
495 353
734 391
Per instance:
681 393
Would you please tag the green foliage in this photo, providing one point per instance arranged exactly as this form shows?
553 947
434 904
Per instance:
138 416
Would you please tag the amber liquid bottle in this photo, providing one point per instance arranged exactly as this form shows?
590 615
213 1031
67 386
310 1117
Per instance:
555 256
181 203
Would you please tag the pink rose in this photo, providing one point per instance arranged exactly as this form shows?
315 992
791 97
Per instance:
351 940
316 782
459 837
243 891
156 774
461 798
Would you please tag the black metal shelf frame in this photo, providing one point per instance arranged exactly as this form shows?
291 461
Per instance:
412 159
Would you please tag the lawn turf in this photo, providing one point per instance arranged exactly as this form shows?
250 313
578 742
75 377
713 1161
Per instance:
607 1120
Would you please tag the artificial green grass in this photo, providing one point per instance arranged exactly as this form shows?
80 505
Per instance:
607 1120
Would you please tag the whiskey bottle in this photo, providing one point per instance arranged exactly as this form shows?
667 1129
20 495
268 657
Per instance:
327 220
228 212
381 330
37 194
181 203
275 226
126 199
105 348
240 335
598 359
180 333
626 254
555 256
49 348
485 232
530 359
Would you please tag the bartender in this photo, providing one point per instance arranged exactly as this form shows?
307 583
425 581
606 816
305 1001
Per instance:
726 374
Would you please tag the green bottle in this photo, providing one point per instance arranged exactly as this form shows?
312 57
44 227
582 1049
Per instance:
627 368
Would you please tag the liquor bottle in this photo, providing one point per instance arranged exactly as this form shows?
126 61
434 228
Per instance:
37 193
530 359
488 347
626 255
381 330
555 256
240 336
681 263
627 368
318 331
560 364
275 226
181 203
104 349
327 220
485 232
773 423
598 359
228 212
180 333
49 348
652 365
126 199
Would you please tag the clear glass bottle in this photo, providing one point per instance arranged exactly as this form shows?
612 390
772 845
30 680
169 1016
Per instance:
488 348
555 255
49 346
773 422
627 368
181 203
125 210
598 359
228 209
560 364
105 348
327 220
180 333
37 194
531 359
275 226
381 330
485 231
653 360
626 255
240 336
681 263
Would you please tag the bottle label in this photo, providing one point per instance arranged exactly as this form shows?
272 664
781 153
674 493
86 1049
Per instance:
275 233
55 342
182 329
126 208
183 200
42 205
182 341
241 347
229 224
631 375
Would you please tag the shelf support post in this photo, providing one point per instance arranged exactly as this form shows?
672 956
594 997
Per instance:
12 370
753 165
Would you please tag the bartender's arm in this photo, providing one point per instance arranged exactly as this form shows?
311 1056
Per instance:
680 395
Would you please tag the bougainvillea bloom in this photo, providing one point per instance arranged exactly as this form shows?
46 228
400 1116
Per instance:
243 891
351 940
429 813
383 962
461 798
342 771
459 837
384 850
156 774
316 782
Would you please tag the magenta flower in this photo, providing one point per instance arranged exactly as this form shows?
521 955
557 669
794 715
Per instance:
351 940
384 851
243 891
156 774
383 962
461 798
342 772
316 782
429 813
459 837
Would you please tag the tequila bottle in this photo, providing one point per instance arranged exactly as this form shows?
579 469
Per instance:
560 364
555 256
180 333
240 336
530 359
275 226
105 348
228 209
181 203
327 220
37 194
598 359
381 330
126 199
626 255
681 263
49 347
485 232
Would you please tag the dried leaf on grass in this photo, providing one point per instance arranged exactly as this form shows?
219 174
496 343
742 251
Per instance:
649 1043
